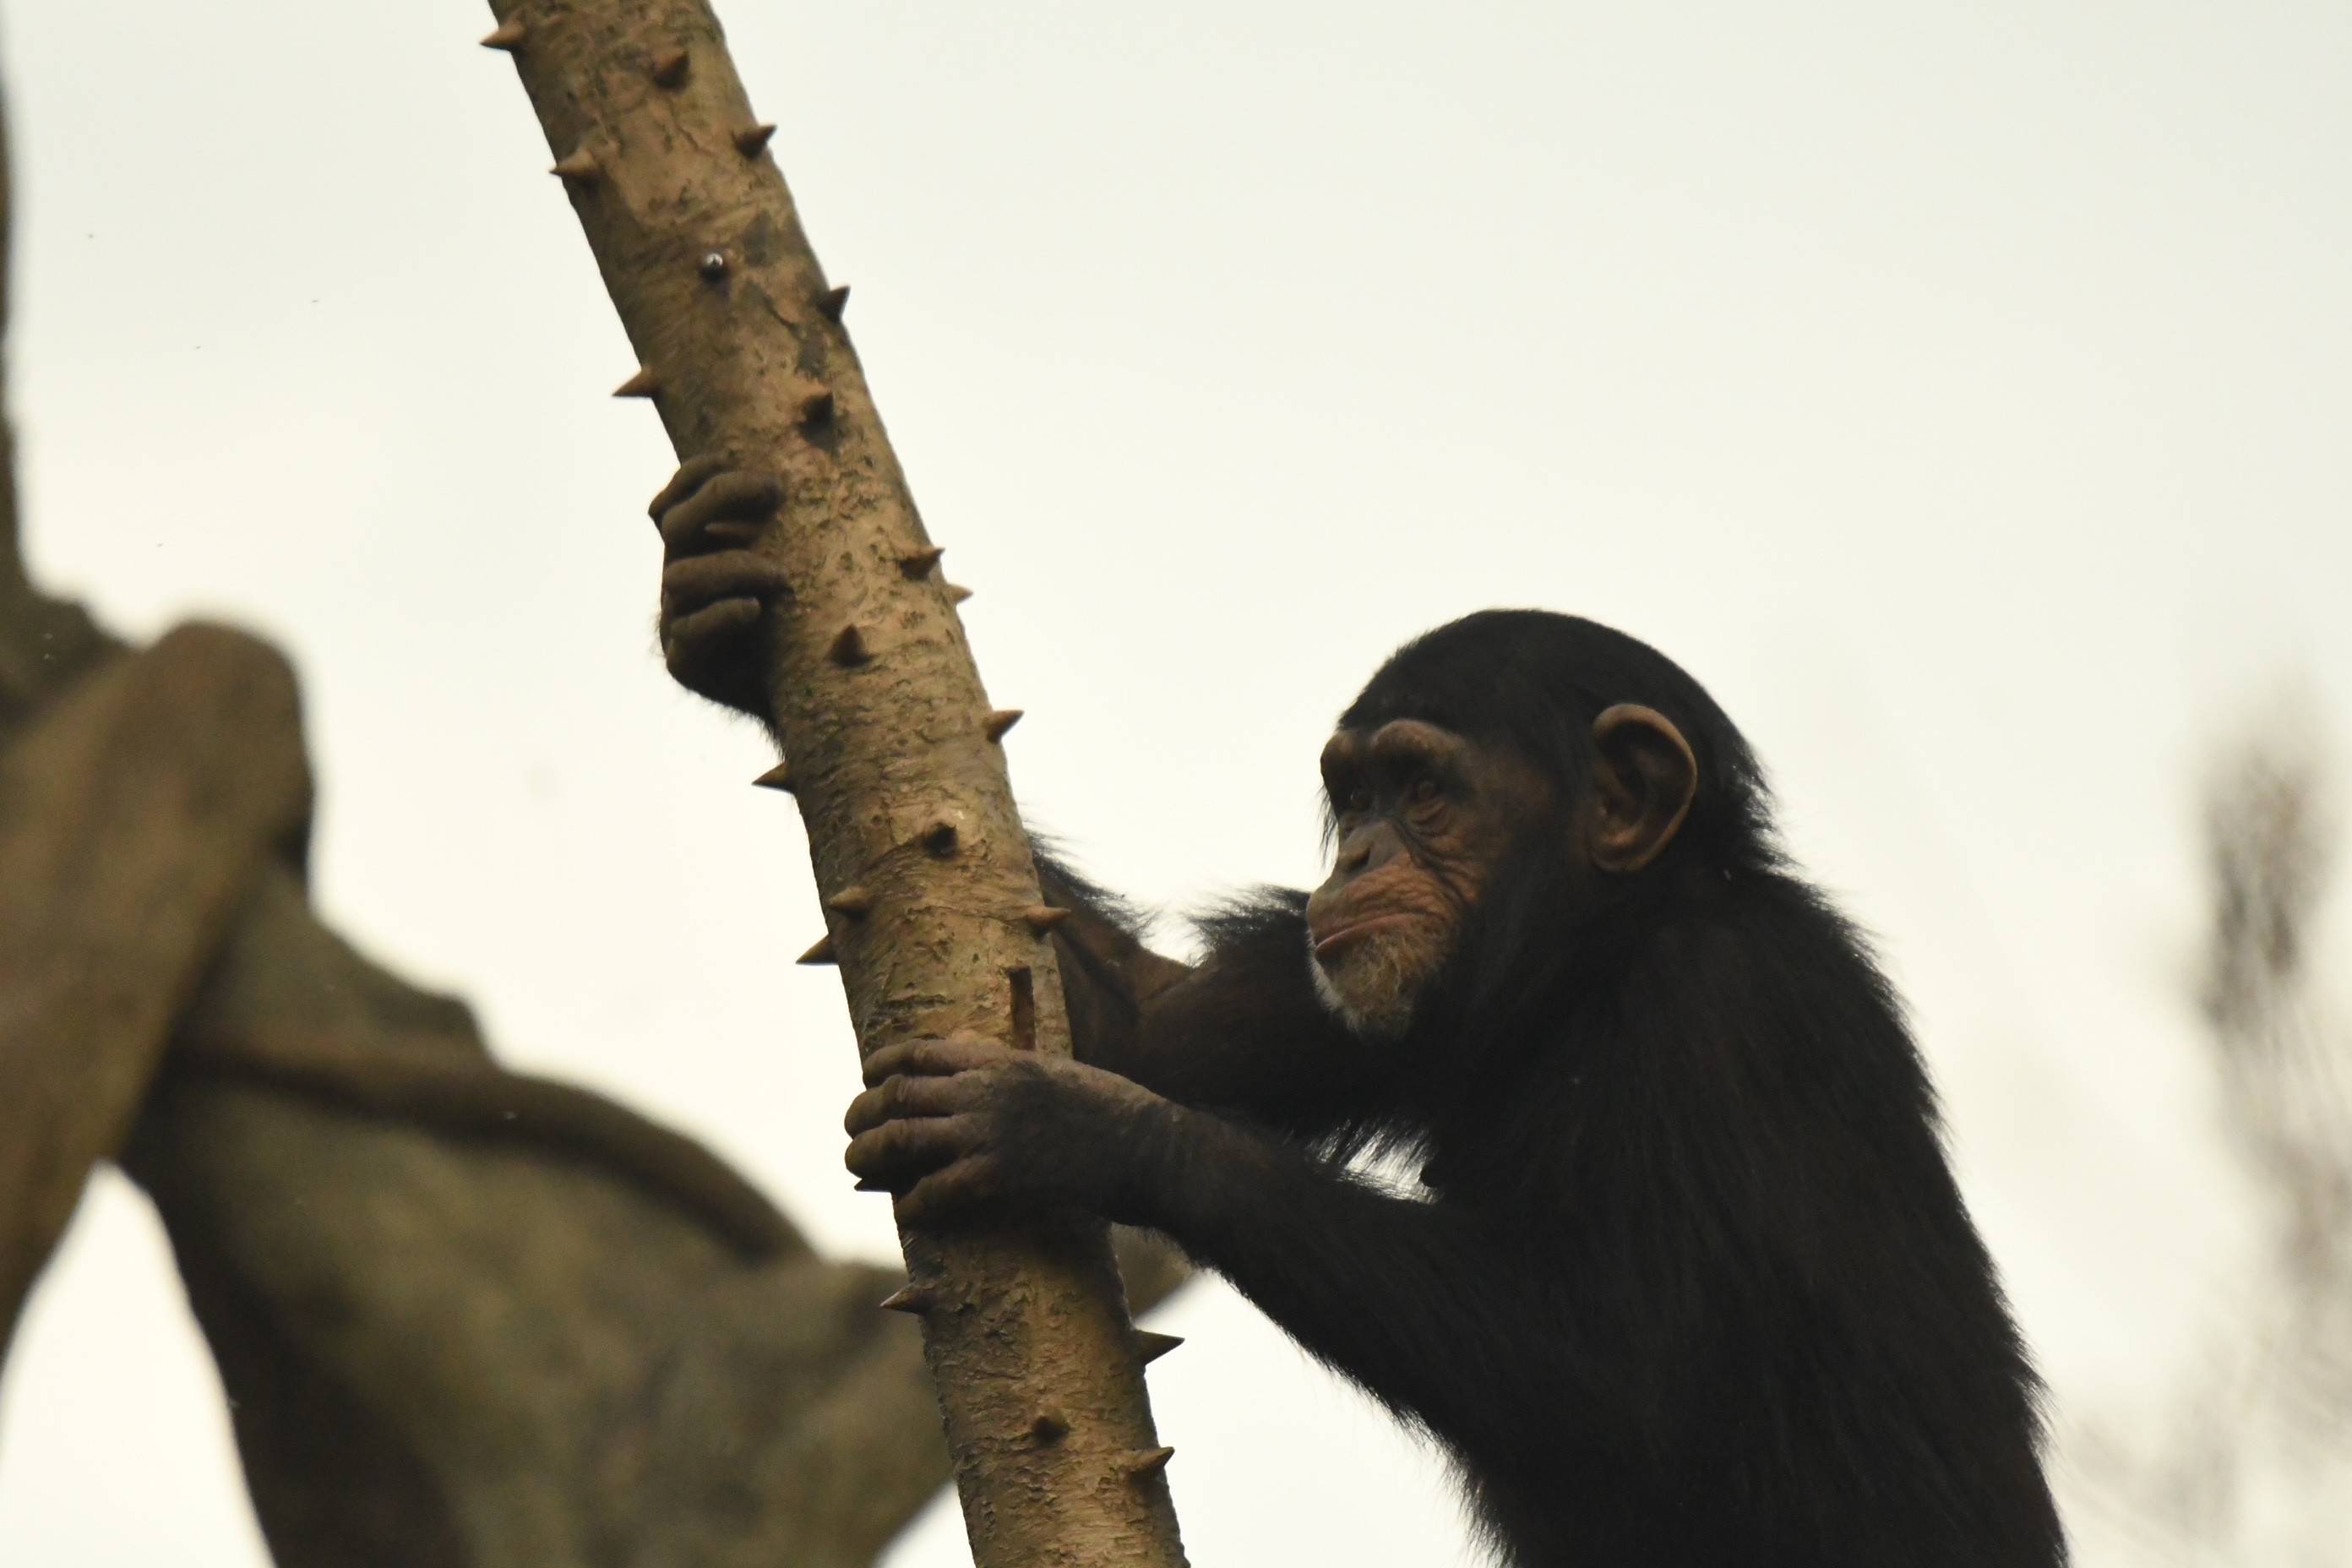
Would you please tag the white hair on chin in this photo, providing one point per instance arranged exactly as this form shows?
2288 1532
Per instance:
1373 996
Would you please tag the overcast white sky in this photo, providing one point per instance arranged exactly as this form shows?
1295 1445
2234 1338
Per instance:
1960 391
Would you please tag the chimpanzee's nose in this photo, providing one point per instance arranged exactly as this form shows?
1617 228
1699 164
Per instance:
1358 852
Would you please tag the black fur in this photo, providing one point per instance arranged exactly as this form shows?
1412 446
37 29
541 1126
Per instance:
1690 1282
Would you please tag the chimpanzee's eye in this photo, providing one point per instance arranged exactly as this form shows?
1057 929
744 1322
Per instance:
1360 799
1423 791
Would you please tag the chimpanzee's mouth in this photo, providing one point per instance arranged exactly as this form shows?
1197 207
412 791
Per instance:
1348 935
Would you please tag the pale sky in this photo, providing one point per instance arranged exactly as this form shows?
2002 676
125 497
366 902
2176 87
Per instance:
1960 390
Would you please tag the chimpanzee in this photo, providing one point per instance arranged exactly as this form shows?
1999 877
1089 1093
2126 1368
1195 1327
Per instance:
1685 1280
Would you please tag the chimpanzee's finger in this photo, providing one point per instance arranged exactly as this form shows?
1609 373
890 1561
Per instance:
898 1153
895 1097
933 1056
697 581
699 649
737 497
954 1189
685 482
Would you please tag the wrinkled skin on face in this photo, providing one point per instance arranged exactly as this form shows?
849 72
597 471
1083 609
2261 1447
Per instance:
1422 816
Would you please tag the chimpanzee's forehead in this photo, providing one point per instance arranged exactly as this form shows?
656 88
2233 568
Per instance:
1494 706
1368 713
1533 680
1392 740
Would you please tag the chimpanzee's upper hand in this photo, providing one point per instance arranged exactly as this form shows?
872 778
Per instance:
960 1124
714 589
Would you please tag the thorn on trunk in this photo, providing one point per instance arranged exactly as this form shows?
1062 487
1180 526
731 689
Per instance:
917 564
939 839
577 170
908 1298
644 384
778 777
669 69
853 901
1142 1462
1000 720
834 301
713 266
1042 918
754 139
820 953
849 649
1050 1427
816 406
1154 1346
506 35
958 592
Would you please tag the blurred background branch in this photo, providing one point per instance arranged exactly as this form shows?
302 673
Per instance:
2254 1462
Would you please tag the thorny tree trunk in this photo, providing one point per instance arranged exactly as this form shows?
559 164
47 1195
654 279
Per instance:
892 750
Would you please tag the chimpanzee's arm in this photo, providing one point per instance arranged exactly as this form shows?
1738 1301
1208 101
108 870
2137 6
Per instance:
1243 1032
1108 975
1427 1304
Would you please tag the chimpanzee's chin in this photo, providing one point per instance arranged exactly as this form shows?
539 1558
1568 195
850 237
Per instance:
1370 998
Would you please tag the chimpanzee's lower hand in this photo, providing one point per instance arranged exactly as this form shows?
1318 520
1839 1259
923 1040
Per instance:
714 589
962 1124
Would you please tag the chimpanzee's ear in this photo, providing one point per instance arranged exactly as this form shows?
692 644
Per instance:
1642 781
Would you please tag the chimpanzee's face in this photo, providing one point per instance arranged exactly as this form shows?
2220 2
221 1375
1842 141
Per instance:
1422 818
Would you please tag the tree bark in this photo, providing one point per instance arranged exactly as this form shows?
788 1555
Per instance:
892 754
132 820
